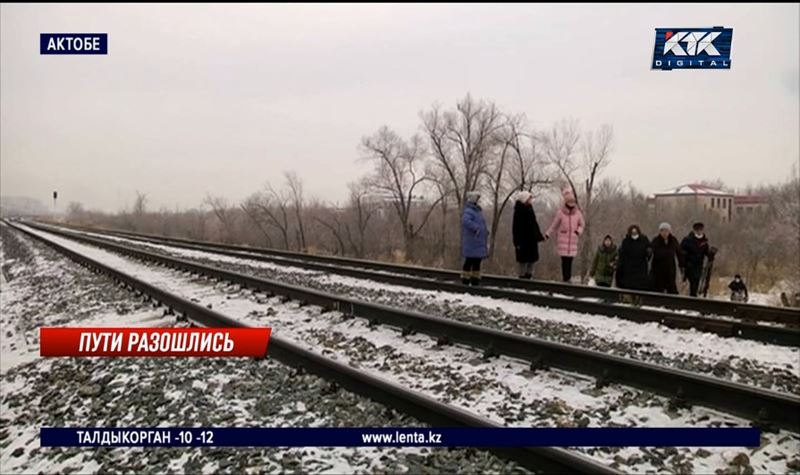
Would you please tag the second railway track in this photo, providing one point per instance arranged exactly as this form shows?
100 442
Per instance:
736 310
410 402
751 330
765 407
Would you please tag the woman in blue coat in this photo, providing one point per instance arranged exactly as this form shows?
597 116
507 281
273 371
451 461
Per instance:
474 239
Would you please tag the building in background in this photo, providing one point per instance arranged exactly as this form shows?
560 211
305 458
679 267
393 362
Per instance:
696 197
705 199
749 204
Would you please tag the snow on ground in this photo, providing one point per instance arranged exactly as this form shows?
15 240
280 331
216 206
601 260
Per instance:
501 389
46 289
671 342
663 342
771 297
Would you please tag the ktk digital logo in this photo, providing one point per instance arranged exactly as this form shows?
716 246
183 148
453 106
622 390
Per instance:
693 48
73 43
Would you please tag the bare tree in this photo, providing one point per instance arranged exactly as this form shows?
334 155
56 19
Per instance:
223 212
445 195
791 217
511 168
348 225
75 212
461 141
135 219
562 144
275 206
295 191
335 226
597 148
400 174
363 212
140 205
251 209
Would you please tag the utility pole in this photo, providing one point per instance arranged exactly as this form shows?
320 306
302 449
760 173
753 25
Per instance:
55 197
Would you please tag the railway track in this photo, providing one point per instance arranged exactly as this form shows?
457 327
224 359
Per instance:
385 392
765 408
731 327
739 311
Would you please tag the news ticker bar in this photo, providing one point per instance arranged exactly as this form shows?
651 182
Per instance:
401 437
218 342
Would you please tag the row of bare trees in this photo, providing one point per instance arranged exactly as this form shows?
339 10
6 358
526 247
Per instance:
408 206
763 246
419 184
478 146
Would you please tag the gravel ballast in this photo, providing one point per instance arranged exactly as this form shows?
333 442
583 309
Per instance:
42 288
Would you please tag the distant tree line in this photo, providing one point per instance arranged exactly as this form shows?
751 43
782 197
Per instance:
408 207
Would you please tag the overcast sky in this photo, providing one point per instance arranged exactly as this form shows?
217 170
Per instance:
220 99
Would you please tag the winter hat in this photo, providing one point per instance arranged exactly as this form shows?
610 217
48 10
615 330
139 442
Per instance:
664 225
473 196
524 196
569 197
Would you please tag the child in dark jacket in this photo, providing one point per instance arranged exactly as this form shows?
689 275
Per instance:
738 289
605 263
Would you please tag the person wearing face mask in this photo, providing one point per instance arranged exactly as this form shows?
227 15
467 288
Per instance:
634 252
526 235
738 289
666 250
605 263
696 248
568 223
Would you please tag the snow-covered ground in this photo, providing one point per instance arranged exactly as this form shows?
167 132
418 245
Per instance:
501 389
771 297
42 288
770 366
45 289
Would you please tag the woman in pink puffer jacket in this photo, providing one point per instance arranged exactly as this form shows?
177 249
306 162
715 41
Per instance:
568 223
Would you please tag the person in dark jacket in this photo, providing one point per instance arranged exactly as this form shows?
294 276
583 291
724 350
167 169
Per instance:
605 263
738 289
666 250
474 238
696 249
526 234
634 252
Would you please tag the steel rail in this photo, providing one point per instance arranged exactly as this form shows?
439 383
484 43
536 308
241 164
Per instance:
764 407
787 336
737 310
420 406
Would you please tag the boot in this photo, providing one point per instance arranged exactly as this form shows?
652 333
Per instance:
476 279
528 276
465 277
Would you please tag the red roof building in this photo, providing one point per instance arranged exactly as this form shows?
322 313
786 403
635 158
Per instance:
706 199
746 204
699 198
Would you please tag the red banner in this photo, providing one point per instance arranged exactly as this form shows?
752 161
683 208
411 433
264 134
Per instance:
224 342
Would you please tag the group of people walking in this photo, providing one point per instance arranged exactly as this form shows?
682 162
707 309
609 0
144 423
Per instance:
637 264
665 257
